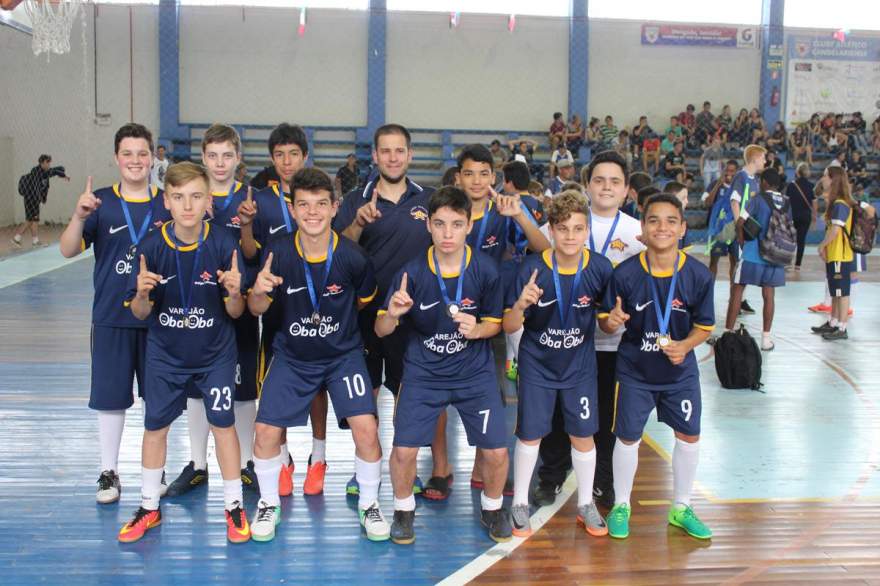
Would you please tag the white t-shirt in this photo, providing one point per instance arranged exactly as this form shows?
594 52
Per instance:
157 173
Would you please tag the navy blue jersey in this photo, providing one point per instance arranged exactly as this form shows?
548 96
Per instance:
226 215
743 187
398 236
501 233
197 338
759 209
550 351
271 217
437 355
108 231
351 280
639 359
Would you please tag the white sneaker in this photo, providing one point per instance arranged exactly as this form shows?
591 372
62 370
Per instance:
265 521
15 243
374 523
109 487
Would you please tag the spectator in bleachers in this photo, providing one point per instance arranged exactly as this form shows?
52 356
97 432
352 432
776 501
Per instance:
637 181
857 170
673 164
676 128
450 176
668 143
814 130
499 155
875 130
804 208
857 129
594 135
651 152
347 176
687 119
574 135
841 160
640 132
526 148
706 124
725 120
799 145
741 134
773 161
624 148
609 134
536 190
778 139
241 173
757 126
560 154
557 130
711 160
565 168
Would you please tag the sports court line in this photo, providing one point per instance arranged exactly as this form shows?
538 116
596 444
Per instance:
21 267
502 550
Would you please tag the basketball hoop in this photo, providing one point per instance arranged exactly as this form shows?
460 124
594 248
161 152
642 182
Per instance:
51 21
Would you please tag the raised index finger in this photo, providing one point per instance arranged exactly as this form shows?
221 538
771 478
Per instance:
250 195
375 196
268 265
619 305
234 265
534 278
403 283
143 264
89 184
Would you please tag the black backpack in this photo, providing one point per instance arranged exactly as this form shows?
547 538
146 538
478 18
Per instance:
738 360
864 230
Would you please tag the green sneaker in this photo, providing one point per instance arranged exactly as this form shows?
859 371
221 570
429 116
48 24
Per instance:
684 517
618 521
511 370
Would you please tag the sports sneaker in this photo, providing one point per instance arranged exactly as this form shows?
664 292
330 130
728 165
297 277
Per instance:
249 476
402 531
746 309
588 516
314 483
352 488
15 243
285 478
823 329
618 521
188 479
603 496
520 520
836 334
143 520
545 493
418 487
510 370
38 244
109 487
768 346
684 517
267 518
820 308
237 528
498 524
374 523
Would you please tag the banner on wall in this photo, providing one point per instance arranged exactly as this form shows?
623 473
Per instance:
827 75
743 37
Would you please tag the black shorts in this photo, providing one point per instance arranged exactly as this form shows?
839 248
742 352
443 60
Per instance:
32 208
383 355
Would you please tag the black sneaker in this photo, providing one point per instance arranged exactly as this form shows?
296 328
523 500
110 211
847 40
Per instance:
249 476
402 530
189 479
746 308
604 496
836 334
498 524
109 487
824 328
545 493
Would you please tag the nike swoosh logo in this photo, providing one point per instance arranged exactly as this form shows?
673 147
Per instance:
641 306
115 229
164 281
546 303
423 307
273 230
291 291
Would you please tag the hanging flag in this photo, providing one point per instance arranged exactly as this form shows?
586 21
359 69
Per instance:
840 35
511 23
302 22
454 18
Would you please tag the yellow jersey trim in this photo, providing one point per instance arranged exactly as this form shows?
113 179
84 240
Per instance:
467 262
682 257
547 255
494 320
382 312
371 297
483 213
602 315
704 328
315 259
117 191
277 189
206 226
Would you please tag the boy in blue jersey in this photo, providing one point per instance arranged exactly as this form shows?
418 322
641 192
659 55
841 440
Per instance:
221 153
752 268
189 290
451 301
114 220
554 298
722 242
665 298
318 281
262 216
744 186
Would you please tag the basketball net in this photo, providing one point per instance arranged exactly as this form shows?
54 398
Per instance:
51 21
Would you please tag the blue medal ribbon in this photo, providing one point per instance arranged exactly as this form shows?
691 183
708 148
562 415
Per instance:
484 222
136 236
459 287
186 296
228 198
664 315
285 213
564 307
316 295
607 238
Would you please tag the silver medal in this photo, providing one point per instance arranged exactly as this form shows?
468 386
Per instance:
452 309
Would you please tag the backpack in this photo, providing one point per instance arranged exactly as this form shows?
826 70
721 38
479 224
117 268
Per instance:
780 241
738 360
864 230
22 184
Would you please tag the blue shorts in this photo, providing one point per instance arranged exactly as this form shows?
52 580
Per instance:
839 275
167 392
291 385
118 356
479 405
752 273
265 353
678 408
724 249
534 413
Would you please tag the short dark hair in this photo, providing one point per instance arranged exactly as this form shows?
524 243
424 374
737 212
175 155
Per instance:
451 197
662 198
707 103
608 157
475 152
392 128
449 176
494 142
646 193
132 130
44 159
772 178
639 180
286 133
673 187
557 115
733 162
311 179
517 173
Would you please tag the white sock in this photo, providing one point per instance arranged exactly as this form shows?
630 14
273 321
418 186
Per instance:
110 425
624 463
245 415
197 421
405 504
841 325
490 504
17 237
232 493
35 240
685 457
765 338
285 455
151 483
368 475
584 464
267 477
833 322
524 459
512 344
319 451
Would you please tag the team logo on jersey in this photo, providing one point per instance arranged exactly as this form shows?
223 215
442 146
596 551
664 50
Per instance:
618 244
235 221
157 224
333 289
467 304
419 213
582 301
206 276
491 241
678 305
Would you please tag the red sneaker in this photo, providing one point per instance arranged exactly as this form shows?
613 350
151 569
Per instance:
820 308
143 520
237 528
285 479
314 483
